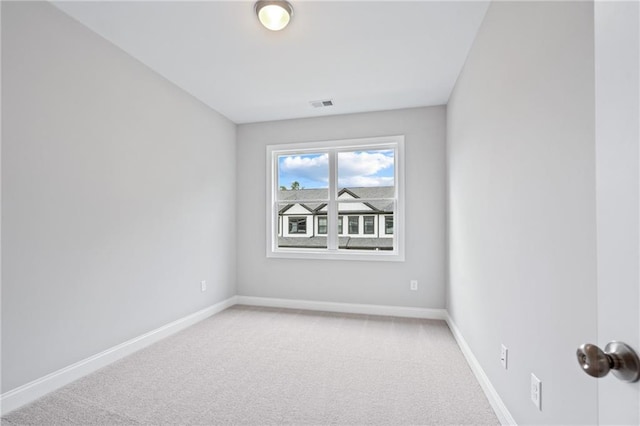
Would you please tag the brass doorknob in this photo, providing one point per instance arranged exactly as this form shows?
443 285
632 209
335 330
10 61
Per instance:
617 357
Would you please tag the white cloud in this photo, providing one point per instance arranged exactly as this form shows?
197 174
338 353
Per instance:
355 168
355 181
297 163
365 168
312 171
365 163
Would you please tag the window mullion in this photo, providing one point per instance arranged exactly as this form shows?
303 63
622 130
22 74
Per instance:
332 207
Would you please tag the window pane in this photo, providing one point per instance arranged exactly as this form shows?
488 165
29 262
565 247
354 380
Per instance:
303 176
388 225
369 225
340 219
322 225
369 173
376 232
296 227
354 224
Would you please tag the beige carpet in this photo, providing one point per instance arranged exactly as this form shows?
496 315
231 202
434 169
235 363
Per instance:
259 366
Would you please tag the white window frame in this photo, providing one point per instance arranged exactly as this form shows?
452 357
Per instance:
333 252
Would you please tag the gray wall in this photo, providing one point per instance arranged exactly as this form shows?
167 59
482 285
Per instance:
521 141
380 283
118 196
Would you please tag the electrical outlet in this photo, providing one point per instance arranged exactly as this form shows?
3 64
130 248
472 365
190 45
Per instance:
413 285
203 286
536 391
503 356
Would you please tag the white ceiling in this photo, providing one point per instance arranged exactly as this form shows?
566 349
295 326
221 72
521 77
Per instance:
364 55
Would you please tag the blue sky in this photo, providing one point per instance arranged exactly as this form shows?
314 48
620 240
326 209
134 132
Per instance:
355 168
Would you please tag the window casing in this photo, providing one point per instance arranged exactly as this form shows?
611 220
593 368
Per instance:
371 214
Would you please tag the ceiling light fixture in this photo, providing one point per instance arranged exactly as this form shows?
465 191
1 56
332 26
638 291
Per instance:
274 15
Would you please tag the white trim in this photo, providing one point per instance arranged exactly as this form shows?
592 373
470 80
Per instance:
352 308
333 147
31 391
504 416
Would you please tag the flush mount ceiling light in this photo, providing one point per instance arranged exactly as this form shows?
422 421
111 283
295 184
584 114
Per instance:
274 15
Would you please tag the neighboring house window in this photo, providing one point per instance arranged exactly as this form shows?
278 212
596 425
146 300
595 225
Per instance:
388 225
354 224
297 225
330 183
322 225
369 225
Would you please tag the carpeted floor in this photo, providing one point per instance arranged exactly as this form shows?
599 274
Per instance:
260 366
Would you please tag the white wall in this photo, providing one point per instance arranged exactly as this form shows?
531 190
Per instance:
118 196
379 283
521 141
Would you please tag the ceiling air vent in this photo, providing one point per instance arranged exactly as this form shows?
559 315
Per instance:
321 104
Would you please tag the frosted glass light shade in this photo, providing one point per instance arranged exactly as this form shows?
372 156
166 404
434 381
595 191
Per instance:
274 15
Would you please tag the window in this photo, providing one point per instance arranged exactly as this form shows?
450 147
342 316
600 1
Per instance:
318 188
388 225
322 225
369 225
297 225
354 224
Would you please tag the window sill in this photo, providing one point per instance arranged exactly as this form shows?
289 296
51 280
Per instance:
358 255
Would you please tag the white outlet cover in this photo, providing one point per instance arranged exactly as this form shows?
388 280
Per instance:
504 354
413 285
536 391
203 285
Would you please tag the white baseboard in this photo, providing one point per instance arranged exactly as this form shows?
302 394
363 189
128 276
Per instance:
504 416
352 308
31 391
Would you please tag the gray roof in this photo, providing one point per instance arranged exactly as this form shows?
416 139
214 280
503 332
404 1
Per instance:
298 195
303 194
343 243
320 194
372 191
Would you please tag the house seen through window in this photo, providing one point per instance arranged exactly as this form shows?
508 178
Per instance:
337 199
